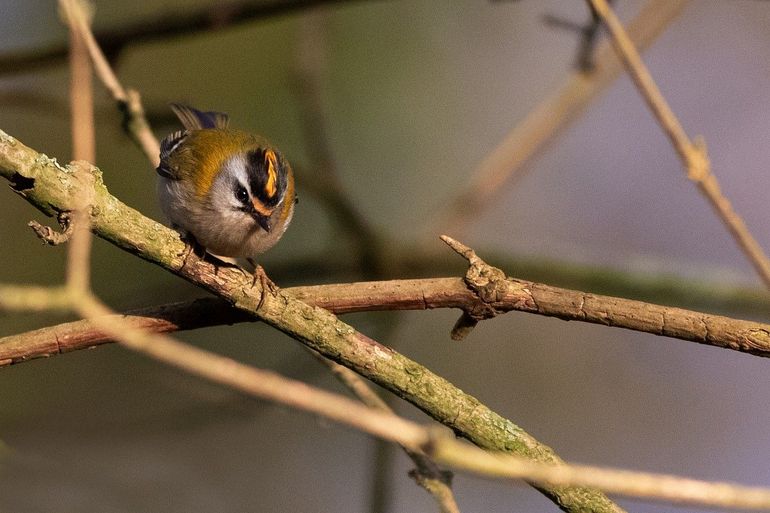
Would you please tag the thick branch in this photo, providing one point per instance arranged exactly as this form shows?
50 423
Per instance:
53 188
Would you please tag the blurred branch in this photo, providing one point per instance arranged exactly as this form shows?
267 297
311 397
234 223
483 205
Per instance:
506 161
426 473
550 474
179 22
53 188
325 183
693 155
34 298
589 34
636 484
128 100
81 94
374 419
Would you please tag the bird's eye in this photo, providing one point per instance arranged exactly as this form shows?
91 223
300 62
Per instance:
241 194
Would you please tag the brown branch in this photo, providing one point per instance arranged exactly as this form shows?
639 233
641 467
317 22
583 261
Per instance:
693 155
385 425
506 161
471 295
134 121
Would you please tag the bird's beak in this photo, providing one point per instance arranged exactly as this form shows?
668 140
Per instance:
262 221
262 215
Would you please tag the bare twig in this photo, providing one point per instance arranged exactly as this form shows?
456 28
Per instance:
506 161
693 155
376 419
32 298
128 100
81 93
636 484
268 385
256 382
51 236
515 295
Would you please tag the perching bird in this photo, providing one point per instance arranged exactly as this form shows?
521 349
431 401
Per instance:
230 191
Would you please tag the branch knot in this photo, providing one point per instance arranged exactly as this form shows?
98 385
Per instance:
489 283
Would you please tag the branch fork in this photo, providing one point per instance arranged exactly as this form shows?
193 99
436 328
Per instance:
488 283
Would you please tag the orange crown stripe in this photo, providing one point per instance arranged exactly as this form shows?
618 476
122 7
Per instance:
272 163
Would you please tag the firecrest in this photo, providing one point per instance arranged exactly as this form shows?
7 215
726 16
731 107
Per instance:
230 191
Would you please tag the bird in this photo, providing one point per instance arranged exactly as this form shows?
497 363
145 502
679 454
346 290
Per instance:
226 191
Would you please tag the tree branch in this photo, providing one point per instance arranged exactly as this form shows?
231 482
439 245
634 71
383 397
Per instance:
134 121
529 136
693 155
421 294
53 188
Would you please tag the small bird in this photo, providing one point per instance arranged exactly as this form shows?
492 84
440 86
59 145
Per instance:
231 192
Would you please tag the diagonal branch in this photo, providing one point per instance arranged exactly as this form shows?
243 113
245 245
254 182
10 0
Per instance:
134 122
693 155
53 188
507 160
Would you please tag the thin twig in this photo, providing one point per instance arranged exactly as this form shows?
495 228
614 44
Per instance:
268 385
322 180
506 161
320 331
693 155
128 100
31 298
81 95
635 484
376 420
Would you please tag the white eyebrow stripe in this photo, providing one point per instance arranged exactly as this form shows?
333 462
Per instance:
237 167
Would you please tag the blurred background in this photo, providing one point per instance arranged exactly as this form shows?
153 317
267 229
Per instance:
412 96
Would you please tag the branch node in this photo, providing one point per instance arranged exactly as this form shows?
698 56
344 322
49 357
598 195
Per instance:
487 282
698 164
50 236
